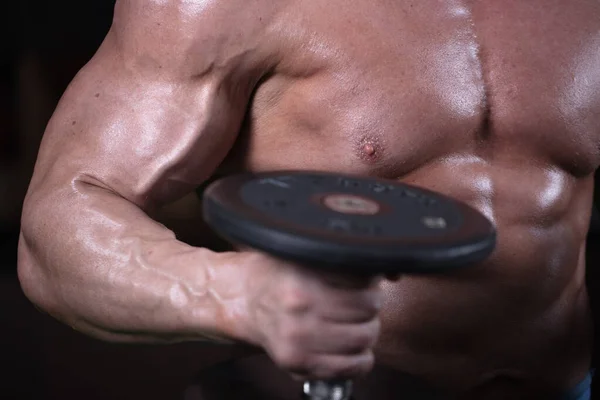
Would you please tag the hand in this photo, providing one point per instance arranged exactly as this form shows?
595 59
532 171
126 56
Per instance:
315 325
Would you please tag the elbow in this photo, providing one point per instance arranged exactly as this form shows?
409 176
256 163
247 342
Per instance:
33 279
33 273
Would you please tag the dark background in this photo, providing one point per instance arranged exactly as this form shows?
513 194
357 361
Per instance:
42 46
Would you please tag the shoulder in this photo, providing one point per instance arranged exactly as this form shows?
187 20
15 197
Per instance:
187 13
189 32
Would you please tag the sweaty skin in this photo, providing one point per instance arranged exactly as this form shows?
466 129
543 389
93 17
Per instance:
494 102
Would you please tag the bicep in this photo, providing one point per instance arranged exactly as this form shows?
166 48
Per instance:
142 123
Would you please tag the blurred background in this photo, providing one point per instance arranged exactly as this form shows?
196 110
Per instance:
42 46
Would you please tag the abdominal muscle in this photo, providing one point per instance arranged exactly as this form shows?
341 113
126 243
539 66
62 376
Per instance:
523 314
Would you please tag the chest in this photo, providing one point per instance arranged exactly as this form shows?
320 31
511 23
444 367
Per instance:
396 83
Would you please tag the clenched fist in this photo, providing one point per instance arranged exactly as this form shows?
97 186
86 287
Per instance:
315 325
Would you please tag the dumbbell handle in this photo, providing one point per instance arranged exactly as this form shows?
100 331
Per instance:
327 390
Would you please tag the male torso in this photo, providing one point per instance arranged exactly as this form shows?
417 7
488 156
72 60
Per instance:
496 103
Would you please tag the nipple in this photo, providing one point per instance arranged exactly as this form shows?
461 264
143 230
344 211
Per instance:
369 149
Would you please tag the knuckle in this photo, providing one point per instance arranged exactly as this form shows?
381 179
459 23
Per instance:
360 367
371 309
375 328
295 299
291 357
290 350
369 303
375 300
366 365
364 342
366 338
292 333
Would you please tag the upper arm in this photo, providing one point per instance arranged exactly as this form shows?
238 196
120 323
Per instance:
160 104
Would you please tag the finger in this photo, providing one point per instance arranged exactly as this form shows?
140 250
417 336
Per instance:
342 339
348 306
330 367
348 281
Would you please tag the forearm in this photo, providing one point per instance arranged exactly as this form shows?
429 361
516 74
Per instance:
100 264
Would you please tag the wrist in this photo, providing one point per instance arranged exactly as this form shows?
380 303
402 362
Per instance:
221 310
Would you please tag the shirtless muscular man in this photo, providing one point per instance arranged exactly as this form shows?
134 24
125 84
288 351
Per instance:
492 102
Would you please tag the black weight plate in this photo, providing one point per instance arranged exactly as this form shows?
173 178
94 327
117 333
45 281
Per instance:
348 223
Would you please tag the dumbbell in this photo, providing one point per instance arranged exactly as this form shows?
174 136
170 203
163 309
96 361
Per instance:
347 224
